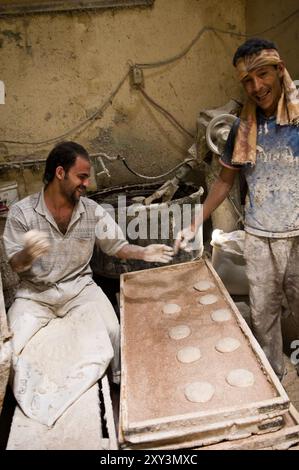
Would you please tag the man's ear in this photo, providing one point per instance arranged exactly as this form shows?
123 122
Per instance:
280 69
60 172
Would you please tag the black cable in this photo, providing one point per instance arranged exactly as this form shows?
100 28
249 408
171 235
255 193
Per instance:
166 113
219 30
99 111
159 176
177 56
150 65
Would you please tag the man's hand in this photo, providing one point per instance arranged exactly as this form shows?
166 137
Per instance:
183 239
36 244
157 253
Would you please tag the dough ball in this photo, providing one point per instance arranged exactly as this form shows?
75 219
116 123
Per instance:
199 392
222 314
36 242
204 285
34 236
240 378
208 299
179 332
226 345
188 354
170 309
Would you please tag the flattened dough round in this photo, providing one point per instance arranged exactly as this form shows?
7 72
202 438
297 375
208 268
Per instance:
228 344
170 309
204 285
208 299
222 314
240 378
199 392
179 332
188 354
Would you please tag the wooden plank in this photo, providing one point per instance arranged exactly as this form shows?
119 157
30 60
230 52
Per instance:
5 334
113 444
79 428
196 437
10 279
22 7
279 440
274 439
5 348
141 415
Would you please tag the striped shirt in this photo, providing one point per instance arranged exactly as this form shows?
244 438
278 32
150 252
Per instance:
69 255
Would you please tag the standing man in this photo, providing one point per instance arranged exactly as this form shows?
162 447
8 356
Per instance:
264 144
49 239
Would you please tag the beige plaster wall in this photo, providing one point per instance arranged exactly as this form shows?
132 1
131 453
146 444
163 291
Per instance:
261 15
59 68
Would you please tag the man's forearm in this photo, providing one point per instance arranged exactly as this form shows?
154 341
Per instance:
219 191
21 261
131 252
154 253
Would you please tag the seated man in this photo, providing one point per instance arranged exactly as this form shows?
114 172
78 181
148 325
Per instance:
65 331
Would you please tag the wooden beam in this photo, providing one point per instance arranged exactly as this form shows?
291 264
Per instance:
44 6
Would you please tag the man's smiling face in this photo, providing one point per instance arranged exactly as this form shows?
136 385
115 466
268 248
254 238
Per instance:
263 86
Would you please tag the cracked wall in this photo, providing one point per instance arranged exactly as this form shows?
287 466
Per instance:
60 68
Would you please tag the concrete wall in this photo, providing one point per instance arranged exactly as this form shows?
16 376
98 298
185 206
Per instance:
59 69
261 15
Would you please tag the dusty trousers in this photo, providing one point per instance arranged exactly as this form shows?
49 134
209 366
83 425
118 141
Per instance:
64 339
272 267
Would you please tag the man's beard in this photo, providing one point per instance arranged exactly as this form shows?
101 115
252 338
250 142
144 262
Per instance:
74 196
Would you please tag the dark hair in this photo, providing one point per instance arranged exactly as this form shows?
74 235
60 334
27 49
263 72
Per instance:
63 154
252 46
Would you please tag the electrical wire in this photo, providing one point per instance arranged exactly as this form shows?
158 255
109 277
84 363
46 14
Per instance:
166 113
35 163
105 155
98 112
156 177
218 30
177 56
229 197
144 66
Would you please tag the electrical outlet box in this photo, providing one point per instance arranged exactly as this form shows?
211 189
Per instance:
137 79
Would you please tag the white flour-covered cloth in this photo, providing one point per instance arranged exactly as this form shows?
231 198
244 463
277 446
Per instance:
61 351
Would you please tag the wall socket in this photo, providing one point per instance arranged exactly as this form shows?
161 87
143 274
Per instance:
137 78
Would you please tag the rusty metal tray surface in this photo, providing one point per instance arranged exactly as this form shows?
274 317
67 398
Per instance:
153 404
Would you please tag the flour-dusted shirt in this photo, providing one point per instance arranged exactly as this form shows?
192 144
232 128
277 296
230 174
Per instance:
66 265
272 203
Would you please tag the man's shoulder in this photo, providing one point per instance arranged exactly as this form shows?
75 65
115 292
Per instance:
27 203
90 208
97 211
88 203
